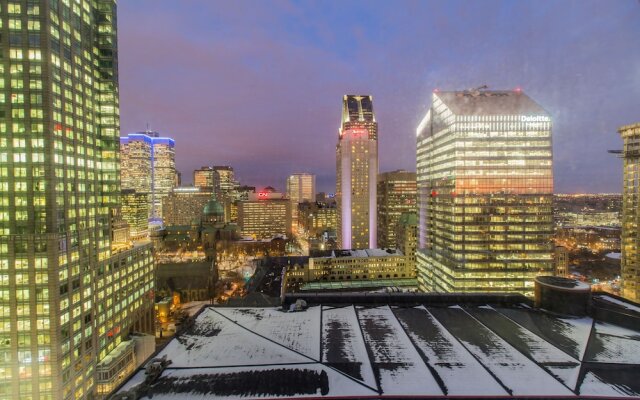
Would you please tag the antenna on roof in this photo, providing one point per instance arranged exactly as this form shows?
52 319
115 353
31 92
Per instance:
476 91
148 127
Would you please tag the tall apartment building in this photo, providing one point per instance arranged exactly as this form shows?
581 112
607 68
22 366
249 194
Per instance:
397 193
357 173
184 205
300 188
265 215
67 302
485 185
630 261
148 166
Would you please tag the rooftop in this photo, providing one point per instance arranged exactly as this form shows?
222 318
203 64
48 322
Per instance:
387 350
363 253
490 102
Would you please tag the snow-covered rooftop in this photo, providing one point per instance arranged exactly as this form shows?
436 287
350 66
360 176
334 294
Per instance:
372 351
361 253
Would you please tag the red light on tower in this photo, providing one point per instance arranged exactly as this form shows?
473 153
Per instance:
518 89
436 90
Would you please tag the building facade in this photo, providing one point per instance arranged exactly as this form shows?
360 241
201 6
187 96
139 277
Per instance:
357 173
561 258
406 238
184 205
204 178
397 193
485 185
630 261
300 188
135 211
316 218
148 166
59 190
348 265
265 215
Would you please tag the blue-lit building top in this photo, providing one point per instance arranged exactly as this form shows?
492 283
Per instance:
147 165
150 137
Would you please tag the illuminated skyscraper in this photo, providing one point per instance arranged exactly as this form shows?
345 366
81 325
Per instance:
204 177
397 193
67 302
135 210
485 185
357 173
630 262
300 188
148 166
224 180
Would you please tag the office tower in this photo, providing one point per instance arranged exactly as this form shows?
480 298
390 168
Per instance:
67 302
300 188
265 215
357 172
184 205
485 185
630 261
316 218
204 177
224 180
397 193
148 166
135 211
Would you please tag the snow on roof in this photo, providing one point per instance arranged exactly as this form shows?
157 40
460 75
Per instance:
620 303
362 253
372 351
615 256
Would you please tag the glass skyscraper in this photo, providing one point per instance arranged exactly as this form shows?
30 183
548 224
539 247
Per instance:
66 301
485 185
357 173
630 243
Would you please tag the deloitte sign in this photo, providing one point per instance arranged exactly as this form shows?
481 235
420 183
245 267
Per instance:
536 118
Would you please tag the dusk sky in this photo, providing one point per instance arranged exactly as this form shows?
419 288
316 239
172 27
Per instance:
258 85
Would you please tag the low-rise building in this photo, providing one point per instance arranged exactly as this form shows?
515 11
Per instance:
347 265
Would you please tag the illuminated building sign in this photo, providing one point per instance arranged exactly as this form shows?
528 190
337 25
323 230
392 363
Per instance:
263 195
536 118
356 132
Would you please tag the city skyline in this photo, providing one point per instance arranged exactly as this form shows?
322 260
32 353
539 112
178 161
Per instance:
294 74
